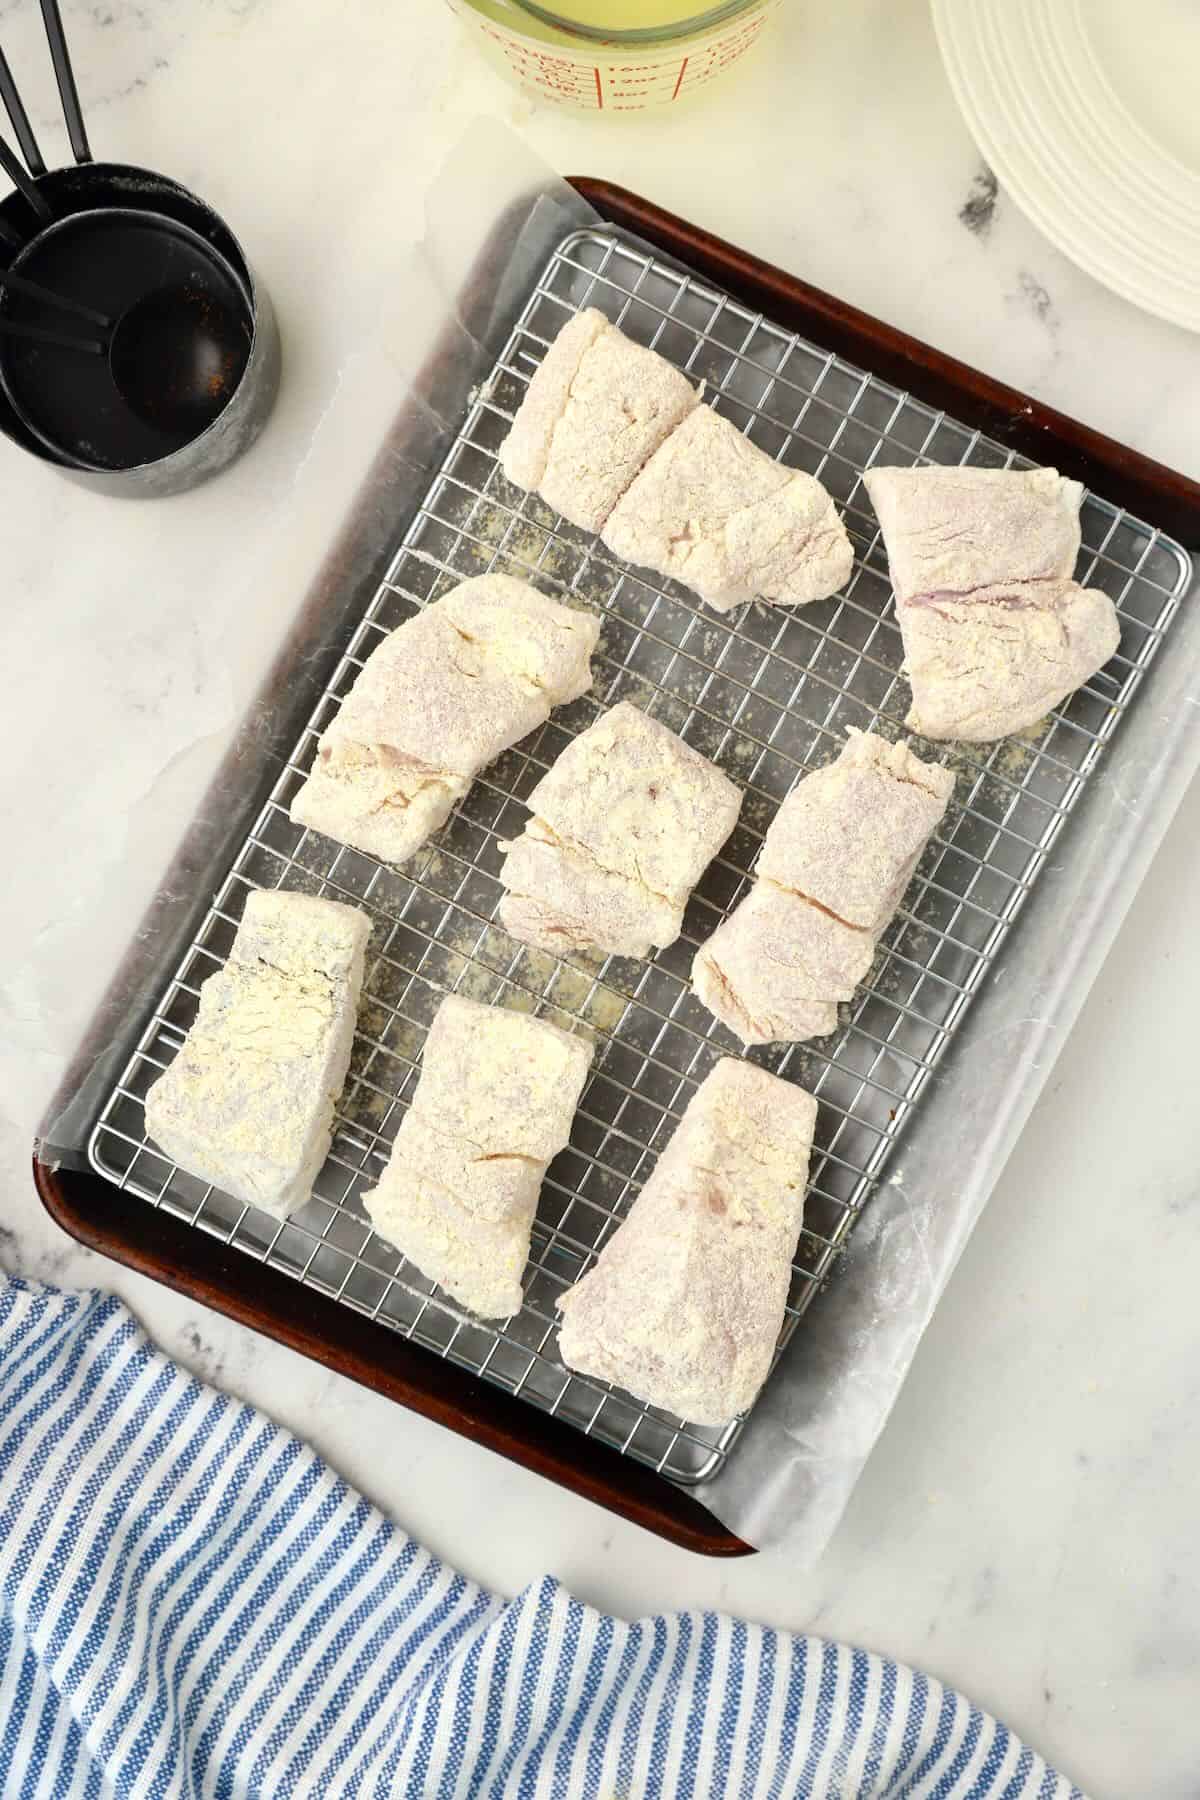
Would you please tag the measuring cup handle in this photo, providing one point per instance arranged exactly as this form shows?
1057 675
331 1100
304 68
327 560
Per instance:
65 76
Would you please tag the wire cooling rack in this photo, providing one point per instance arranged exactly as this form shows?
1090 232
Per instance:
768 694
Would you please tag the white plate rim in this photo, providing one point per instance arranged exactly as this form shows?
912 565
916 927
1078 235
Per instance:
1040 191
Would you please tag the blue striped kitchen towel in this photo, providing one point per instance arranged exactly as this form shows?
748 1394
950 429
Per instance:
194 1604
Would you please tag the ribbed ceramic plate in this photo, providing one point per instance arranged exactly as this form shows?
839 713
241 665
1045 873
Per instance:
1088 111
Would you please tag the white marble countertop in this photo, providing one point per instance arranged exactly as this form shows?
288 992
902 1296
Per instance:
1026 1527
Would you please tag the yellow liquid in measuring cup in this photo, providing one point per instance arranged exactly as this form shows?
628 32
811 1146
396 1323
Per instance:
561 65
625 15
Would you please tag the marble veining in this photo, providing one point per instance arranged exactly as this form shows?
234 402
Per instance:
978 210
1033 295
1025 1528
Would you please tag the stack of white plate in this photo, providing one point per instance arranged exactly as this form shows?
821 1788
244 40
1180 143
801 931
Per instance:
1088 111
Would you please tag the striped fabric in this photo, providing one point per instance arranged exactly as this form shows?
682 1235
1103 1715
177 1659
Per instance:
193 1604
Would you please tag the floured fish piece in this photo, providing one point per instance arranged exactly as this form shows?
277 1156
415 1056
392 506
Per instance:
684 1306
624 825
995 631
438 700
615 439
596 410
996 661
775 969
948 531
849 836
248 1102
833 868
712 510
493 1105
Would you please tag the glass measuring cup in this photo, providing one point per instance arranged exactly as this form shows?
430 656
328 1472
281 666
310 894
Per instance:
615 55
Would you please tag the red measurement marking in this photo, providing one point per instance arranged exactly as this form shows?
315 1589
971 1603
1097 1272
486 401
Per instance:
599 90
682 70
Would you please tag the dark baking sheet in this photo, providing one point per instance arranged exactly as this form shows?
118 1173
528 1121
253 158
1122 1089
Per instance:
124 1227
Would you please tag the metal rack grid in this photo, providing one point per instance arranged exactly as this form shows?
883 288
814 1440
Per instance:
767 693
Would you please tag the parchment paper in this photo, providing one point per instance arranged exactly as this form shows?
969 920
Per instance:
494 217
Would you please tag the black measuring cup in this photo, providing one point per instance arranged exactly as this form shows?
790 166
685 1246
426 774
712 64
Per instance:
138 353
